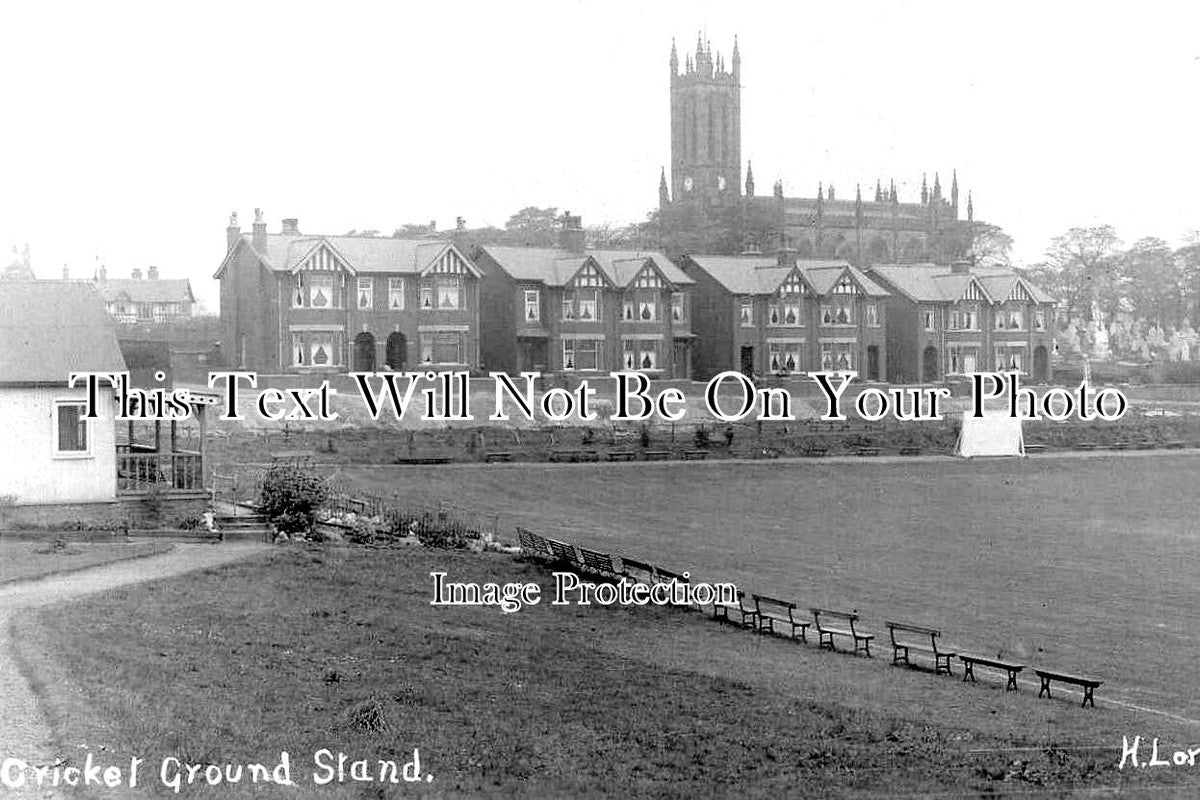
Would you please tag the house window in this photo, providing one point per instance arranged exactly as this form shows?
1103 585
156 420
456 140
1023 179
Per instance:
930 319
837 356
316 349
965 318
1010 359
1039 321
627 310
533 305
72 428
318 290
746 315
366 293
677 307
298 350
426 297
872 315
580 354
783 357
145 310
568 310
785 314
449 291
396 294
445 347
647 311
640 354
961 360
589 302
838 312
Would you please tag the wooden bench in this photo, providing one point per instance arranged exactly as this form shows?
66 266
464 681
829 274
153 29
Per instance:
534 546
825 633
1174 445
639 571
1089 684
910 450
597 563
491 458
814 452
621 455
423 460
564 455
1035 448
867 451
563 553
969 662
771 610
656 455
900 650
663 575
694 455
743 607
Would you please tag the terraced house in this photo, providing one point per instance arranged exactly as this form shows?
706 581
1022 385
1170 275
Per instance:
297 303
573 311
952 320
777 315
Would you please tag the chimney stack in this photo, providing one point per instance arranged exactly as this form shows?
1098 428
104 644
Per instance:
233 232
571 238
291 227
66 273
152 272
460 224
136 273
101 273
960 268
259 236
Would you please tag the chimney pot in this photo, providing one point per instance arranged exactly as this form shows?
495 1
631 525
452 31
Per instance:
152 273
136 273
572 238
960 268
291 226
259 237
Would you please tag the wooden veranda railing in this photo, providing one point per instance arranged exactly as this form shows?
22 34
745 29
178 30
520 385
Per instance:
140 473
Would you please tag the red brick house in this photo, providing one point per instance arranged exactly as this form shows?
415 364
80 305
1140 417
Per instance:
297 303
946 321
573 311
774 315
150 299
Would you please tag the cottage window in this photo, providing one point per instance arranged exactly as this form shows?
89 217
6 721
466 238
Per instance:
838 312
533 305
647 311
426 297
72 428
316 349
783 357
396 294
627 310
588 305
746 314
640 354
837 356
677 307
366 293
449 291
581 354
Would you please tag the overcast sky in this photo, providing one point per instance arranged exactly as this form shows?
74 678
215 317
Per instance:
130 131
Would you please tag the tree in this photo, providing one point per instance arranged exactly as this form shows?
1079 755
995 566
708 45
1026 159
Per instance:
1082 268
1152 282
991 245
291 497
534 226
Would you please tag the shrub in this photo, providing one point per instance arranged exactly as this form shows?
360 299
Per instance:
700 438
290 498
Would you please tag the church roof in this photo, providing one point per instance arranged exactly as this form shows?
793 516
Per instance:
147 291
763 274
555 267
49 329
932 283
364 254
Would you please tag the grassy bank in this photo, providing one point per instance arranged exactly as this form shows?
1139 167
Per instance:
27 560
341 649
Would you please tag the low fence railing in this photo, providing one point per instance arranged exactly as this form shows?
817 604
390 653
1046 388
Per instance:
142 473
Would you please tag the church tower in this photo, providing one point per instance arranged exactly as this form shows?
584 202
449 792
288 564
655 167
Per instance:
706 127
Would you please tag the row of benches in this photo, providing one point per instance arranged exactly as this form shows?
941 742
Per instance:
771 615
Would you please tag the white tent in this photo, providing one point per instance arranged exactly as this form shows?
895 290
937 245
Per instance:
990 435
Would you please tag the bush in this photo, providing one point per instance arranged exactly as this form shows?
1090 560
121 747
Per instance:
700 438
290 498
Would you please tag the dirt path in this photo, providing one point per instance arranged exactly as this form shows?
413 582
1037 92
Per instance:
24 733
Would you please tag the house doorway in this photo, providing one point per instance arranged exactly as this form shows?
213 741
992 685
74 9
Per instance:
929 364
747 362
397 351
533 355
1041 364
364 352
681 366
873 362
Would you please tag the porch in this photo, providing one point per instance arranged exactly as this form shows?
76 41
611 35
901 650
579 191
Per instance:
164 457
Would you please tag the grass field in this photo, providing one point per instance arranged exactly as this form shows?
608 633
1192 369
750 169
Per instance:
1087 565
26 560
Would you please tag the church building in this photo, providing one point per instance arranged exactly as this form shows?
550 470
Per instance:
704 209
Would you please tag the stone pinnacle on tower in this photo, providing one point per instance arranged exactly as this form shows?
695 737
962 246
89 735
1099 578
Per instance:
749 179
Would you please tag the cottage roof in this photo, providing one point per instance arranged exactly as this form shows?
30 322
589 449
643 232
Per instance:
933 283
764 274
147 291
363 254
49 329
554 267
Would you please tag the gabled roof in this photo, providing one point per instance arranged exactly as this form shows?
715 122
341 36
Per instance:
147 291
555 267
359 254
49 329
764 275
930 283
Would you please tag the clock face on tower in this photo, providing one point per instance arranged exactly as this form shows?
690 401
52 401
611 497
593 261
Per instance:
721 183
687 183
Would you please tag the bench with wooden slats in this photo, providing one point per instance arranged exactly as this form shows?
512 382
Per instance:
970 662
563 553
597 563
635 570
826 632
1089 684
747 615
901 649
534 546
771 610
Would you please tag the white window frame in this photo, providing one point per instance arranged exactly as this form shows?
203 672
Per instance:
395 293
571 350
677 309
746 312
533 306
83 422
364 289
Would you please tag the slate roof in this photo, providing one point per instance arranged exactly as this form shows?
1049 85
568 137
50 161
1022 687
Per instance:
933 283
49 329
763 274
365 254
147 291
554 267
